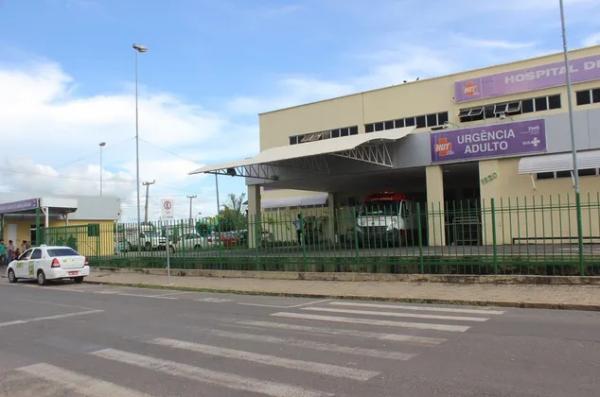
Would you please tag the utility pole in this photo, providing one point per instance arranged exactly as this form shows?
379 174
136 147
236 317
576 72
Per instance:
101 145
138 49
573 146
191 198
147 184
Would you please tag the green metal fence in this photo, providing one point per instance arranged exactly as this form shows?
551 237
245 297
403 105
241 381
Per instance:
521 235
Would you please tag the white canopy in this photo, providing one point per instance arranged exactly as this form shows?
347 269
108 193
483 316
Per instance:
336 146
296 201
559 162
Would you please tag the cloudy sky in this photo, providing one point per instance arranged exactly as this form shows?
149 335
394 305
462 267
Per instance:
67 73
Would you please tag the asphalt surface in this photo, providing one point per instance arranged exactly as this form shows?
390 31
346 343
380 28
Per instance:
94 340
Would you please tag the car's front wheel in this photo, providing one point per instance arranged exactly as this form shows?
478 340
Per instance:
41 278
11 276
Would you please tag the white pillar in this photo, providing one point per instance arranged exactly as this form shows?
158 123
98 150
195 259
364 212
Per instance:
435 206
46 211
254 218
331 223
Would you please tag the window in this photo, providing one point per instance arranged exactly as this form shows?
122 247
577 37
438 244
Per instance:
432 120
554 101
378 126
587 172
563 174
293 140
25 255
327 134
354 130
541 103
488 112
63 252
421 122
476 113
388 125
583 97
410 121
596 95
369 128
500 109
344 132
37 254
545 175
399 123
336 133
513 108
527 105
442 118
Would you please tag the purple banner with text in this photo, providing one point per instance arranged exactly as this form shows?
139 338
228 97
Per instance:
498 140
530 79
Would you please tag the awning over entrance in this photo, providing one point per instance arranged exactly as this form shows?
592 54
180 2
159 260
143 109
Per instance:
559 162
295 201
371 148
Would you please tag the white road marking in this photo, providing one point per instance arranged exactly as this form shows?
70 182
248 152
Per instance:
283 306
55 317
176 293
217 378
134 295
306 344
301 365
213 300
368 321
396 314
420 308
81 384
424 340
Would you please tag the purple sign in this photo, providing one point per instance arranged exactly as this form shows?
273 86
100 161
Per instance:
530 79
489 141
18 206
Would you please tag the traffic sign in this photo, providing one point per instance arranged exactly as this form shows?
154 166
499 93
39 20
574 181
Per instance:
166 209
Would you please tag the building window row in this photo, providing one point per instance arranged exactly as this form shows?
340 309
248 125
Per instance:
511 108
585 97
425 120
567 174
321 135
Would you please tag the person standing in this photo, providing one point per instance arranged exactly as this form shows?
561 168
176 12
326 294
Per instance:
3 257
10 251
24 246
299 225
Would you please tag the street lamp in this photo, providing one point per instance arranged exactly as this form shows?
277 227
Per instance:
139 48
573 145
101 145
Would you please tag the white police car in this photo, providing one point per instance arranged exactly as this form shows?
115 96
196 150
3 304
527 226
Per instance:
48 263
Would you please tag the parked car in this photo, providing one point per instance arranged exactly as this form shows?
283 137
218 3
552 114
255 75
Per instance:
48 263
196 241
149 241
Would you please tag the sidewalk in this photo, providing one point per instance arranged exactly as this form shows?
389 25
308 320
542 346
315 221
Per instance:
574 297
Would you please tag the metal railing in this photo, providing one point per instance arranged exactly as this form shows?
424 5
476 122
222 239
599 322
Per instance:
535 235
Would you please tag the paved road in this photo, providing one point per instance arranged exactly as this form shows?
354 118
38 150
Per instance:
93 340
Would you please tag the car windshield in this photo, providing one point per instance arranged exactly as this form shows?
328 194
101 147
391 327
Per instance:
62 252
380 208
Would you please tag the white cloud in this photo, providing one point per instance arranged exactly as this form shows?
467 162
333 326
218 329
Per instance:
52 135
494 44
593 39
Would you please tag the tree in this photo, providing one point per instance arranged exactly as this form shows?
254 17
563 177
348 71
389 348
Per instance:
231 216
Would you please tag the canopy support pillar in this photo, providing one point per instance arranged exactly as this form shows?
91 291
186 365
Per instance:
254 216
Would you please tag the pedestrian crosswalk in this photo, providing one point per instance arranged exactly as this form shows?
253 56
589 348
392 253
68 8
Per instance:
347 341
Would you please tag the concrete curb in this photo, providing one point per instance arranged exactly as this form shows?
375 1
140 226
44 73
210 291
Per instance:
524 305
383 277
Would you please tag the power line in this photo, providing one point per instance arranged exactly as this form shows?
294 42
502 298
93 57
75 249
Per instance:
168 151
